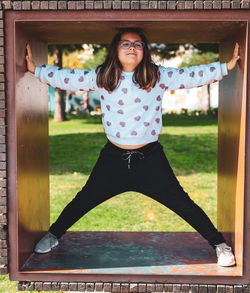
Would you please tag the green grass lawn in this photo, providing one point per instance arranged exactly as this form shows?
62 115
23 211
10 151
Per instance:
190 144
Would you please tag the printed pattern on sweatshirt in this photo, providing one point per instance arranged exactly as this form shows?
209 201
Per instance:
131 115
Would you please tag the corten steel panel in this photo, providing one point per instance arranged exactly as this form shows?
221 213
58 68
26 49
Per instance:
231 146
145 253
28 145
32 148
246 242
209 26
90 32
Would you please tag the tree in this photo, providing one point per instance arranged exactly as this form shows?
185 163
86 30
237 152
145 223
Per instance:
98 58
57 52
167 51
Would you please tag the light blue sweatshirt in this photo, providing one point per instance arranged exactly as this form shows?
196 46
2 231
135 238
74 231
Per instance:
130 115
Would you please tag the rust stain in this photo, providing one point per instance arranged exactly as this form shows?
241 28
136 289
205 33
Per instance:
159 272
168 257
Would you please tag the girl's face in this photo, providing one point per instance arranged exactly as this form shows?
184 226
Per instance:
130 58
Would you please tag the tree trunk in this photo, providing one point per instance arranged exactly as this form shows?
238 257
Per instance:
208 97
59 114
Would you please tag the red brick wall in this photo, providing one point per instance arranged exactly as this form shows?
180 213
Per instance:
3 191
124 4
131 287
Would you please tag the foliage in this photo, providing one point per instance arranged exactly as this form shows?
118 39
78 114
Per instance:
168 51
213 112
66 48
198 58
69 59
98 58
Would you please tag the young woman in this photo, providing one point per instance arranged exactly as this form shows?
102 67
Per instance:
131 87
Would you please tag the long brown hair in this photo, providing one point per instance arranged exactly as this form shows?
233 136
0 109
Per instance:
109 73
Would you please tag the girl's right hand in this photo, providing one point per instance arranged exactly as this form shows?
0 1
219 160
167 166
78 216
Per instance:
232 63
30 63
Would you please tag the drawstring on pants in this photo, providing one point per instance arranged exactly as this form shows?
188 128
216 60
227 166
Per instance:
127 156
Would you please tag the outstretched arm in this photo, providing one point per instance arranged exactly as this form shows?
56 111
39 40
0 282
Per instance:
198 75
62 78
192 76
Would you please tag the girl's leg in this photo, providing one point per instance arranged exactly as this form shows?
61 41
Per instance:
106 180
155 178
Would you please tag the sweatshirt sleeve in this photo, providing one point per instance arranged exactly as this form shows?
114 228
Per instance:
193 76
67 79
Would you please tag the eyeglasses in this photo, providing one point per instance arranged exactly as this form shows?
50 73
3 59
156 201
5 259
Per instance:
125 44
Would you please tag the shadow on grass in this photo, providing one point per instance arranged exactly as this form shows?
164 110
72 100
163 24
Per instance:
187 154
167 120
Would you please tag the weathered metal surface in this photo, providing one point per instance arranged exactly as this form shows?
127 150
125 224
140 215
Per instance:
92 31
160 26
27 145
231 146
145 253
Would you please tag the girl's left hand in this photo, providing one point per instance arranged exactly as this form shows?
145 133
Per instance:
231 64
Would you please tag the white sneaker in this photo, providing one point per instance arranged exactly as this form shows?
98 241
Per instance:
46 243
225 255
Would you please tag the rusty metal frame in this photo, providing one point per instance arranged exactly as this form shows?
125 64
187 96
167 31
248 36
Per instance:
13 18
